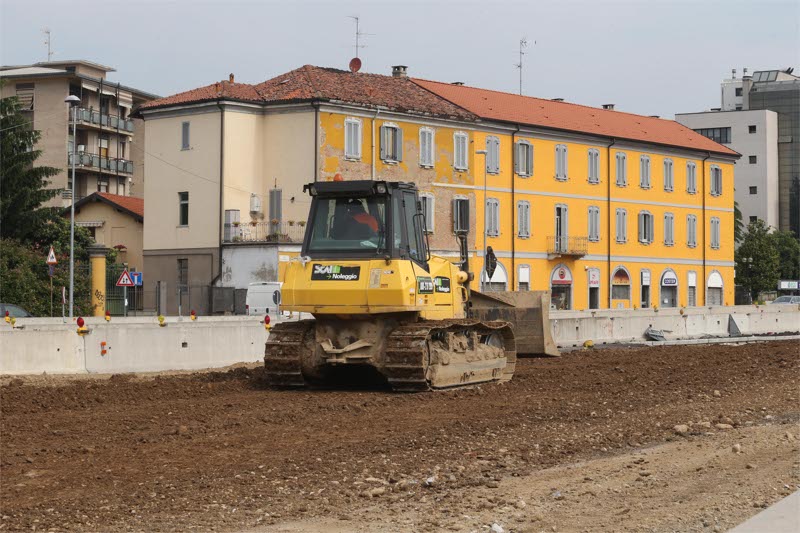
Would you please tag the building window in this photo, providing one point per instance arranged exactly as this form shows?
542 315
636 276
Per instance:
622 169
645 227
391 143
622 226
716 180
644 172
523 166
524 278
428 202
669 229
753 218
121 186
720 135
460 144
102 185
753 189
352 138
738 91
426 147
692 289
492 155
524 218
594 165
691 177
460 214
25 92
275 206
753 159
669 177
594 223
492 217
183 208
621 285
561 162
715 233
751 129
691 231
185 136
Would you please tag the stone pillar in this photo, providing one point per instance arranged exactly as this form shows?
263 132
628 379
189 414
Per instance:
97 258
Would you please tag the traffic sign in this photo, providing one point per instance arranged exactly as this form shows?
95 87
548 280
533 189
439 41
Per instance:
137 278
51 257
124 280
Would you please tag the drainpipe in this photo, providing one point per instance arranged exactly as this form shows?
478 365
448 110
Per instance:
703 190
513 213
372 156
221 187
315 105
608 200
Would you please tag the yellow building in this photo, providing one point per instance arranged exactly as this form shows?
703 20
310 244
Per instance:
604 208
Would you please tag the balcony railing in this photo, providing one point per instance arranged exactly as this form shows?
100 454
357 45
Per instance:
563 245
104 164
282 232
91 116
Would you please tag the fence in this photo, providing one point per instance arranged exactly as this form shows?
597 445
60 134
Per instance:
282 232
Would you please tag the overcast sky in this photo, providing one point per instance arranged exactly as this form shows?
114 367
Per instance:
649 57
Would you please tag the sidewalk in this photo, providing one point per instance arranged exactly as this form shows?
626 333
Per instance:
783 517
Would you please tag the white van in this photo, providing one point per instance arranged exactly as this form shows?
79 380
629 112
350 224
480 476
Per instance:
263 297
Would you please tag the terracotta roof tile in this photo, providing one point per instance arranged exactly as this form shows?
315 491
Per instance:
130 203
220 90
513 108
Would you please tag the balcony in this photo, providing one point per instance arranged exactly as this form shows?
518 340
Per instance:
104 121
558 246
108 165
282 232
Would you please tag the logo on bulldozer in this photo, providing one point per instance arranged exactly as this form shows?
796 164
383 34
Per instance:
441 284
335 272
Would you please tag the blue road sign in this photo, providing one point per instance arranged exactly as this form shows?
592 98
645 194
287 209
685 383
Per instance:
137 278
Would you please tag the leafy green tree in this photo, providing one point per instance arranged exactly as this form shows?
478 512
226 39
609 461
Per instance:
788 253
757 260
22 184
738 225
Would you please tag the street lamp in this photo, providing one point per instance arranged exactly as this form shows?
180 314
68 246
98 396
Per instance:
72 102
485 214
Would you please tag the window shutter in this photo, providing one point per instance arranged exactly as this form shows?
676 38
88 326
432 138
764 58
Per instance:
398 144
384 141
641 227
496 154
650 228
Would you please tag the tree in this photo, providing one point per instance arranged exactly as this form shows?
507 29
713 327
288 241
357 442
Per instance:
757 260
738 225
23 186
788 249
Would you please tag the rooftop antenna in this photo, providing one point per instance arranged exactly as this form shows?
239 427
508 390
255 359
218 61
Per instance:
359 34
523 44
47 41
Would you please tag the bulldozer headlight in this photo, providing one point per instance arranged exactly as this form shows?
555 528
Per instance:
380 188
312 190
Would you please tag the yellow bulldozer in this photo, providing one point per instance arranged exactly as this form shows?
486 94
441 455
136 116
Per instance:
381 300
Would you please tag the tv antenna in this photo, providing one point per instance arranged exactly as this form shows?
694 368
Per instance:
523 44
359 34
47 41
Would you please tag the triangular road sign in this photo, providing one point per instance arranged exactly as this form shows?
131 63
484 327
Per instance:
51 257
124 280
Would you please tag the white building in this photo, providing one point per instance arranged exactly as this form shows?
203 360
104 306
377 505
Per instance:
754 134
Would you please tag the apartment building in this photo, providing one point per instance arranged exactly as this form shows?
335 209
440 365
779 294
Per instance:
771 97
603 208
109 141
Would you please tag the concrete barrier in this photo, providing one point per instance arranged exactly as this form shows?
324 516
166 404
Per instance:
572 328
136 344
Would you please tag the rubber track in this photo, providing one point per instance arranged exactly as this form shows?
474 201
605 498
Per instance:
283 353
405 365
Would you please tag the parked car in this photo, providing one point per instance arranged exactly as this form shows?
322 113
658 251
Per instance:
263 298
787 300
13 311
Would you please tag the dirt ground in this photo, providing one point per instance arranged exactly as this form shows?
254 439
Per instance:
585 442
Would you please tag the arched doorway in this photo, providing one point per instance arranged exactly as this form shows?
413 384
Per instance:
594 288
620 288
561 287
714 289
499 281
669 289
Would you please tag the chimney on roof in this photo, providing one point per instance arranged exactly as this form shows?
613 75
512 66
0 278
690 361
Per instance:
459 83
399 71
733 73
654 116
610 107
744 71
557 99
230 77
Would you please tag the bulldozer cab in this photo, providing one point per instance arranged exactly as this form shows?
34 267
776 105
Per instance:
365 220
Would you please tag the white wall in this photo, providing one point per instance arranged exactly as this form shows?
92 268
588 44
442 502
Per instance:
763 144
243 264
